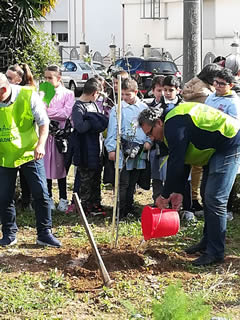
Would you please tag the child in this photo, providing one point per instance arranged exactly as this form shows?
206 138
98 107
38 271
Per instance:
133 141
59 110
157 174
224 98
111 90
88 124
171 93
157 90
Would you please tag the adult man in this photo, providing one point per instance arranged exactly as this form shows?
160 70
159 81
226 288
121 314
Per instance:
197 134
20 107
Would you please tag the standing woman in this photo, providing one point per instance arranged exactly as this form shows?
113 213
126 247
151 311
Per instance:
22 75
59 109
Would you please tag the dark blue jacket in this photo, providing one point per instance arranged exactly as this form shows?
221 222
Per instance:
87 127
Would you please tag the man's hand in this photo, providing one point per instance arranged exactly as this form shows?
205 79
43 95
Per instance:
176 200
147 146
161 202
112 155
39 151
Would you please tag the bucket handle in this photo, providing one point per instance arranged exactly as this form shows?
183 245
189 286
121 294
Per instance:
159 220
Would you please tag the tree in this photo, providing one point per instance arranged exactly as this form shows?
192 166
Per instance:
39 53
16 19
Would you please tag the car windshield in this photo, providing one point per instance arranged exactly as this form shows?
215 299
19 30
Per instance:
160 66
98 66
84 66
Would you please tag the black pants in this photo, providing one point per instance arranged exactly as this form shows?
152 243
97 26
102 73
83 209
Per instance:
90 187
62 187
128 181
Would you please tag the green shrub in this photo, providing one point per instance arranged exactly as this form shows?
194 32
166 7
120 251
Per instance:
39 54
177 305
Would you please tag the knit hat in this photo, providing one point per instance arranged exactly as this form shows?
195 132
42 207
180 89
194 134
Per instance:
233 63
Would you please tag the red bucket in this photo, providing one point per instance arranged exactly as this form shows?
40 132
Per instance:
157 223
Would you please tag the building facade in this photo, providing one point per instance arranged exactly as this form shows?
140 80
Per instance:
130 24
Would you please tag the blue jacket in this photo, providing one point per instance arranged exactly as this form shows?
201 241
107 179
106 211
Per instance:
130 131
88 122
229 103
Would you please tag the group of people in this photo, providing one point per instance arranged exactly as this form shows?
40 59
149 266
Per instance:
183 135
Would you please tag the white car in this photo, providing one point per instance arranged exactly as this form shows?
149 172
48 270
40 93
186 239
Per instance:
99 68
75 74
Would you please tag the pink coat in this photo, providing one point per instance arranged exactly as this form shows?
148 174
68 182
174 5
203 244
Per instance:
60 109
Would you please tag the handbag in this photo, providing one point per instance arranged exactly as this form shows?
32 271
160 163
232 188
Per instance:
61 135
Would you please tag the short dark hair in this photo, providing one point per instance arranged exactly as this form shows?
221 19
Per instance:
92 85
209 72
157 81
226 74
171 81
55 68
150 116
129 84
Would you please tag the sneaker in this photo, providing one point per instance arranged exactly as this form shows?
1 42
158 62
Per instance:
6 241
199 213
229 216
188 215
97 210
63 205
71 208
196 206
52 204
47 239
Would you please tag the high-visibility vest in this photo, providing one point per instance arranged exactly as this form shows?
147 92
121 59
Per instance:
208 119
18 137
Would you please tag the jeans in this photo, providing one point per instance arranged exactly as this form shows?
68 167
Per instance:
26 193
217 182
34 173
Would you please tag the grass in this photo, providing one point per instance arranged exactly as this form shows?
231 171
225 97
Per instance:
43 293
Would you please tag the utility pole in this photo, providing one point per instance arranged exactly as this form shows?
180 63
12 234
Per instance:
192 38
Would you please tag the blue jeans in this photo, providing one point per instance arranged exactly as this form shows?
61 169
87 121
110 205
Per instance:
217 182
34 173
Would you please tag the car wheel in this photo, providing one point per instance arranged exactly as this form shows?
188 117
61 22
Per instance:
72 86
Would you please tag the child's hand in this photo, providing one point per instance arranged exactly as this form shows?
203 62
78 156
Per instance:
147 146
112 155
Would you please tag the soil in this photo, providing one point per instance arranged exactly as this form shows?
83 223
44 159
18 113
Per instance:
82 271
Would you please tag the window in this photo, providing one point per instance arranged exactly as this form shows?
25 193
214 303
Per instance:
60 28
62 37
150 9
84 66
69 66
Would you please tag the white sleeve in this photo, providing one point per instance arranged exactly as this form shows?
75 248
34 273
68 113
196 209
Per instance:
39 110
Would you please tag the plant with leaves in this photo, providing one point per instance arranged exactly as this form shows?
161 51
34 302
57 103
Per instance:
177 305
40 53
16 19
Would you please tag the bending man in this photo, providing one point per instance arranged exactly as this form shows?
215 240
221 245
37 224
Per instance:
197 134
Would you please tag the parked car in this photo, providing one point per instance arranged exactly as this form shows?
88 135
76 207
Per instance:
75 74
99 68
143 70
